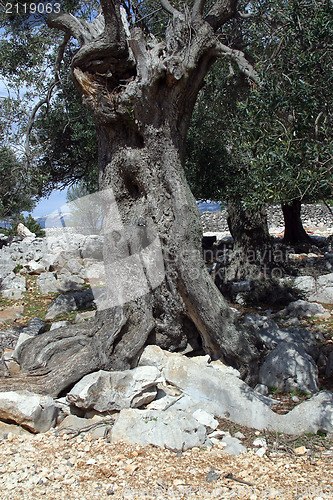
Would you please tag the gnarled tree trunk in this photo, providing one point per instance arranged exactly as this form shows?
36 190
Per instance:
142 95
249 229
294 231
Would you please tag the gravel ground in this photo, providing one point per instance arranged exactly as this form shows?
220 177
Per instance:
45 466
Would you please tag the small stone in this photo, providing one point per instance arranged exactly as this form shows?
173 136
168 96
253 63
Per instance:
212 476
91 461
110 491
262 389
259 442
217 434
239 435
295 399
179 482
261 452
301 450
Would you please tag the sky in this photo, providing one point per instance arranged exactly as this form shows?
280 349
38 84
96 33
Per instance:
46 206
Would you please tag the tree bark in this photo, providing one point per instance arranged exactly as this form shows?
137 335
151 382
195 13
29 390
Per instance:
248 226
142 102
294 231
252 255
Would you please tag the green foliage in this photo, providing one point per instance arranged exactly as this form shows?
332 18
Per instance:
17 268
271 292
16 193
272 142
29 222
67 132
63 139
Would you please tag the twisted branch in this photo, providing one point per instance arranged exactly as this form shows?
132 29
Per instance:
198 8
239 58
170 9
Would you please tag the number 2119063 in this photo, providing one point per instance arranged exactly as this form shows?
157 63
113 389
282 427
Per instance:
32 8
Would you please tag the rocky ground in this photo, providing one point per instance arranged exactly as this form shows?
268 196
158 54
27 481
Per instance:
51 467
79 465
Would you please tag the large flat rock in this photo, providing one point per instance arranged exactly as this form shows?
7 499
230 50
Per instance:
172 429
226 396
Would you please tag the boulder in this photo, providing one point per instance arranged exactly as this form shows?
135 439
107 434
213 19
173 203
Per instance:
289 367
84 316
92 247
324 291
206 419
59 324
74 266
272 335
97 426
34 267
62 304
313 415
205 386
11 313
227 396
304 309
70 302
7 265
318 290
11 429
33 411
49 283
13 286
107 391
24 232
70 283
172 429
94 270
35 327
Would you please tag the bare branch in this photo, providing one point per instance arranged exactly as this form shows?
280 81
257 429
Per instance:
170 9
245 15
198 8
45 100
114 28
317 124
327 205
80 29
31 122
221 12
239 58
67 23
60 55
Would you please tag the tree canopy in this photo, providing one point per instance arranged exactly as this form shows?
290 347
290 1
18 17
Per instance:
270 142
